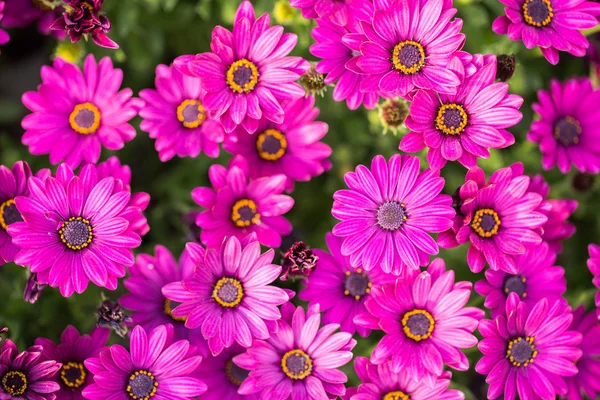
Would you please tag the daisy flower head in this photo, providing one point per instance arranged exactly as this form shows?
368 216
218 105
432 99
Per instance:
299 361
465 125
248 73
24 375
139 200
74 230
73 349
237 206
380 382
229 295
156 366
339 289
75 113
150 307
501 219
529 350
593 264
551 25
387 213
4 37
339 12
292 148
567 128
418 316
409 44
587 380
537 278
175 116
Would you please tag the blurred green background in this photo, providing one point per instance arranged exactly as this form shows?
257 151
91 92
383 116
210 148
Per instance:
151 32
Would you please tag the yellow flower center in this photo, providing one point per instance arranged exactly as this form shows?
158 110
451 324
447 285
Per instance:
451 119
486 222
9 213
243 213
521 352
408 57
191 113
242 76
14 383
85 118
235 374
296 364
418 324
142 385
73 374
271 145
169 311
396 395
538 13
357 284
228 292
76 233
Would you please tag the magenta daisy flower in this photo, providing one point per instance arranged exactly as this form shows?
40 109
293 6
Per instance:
71 352
339 289
75 114
388 212
4 37
74 230
229 295
292 148
139 200
238 207
338 47
175 116
558 228
150 308
22 13
593 264
409 44
537 278
339 12
465 125
551 25
300 360
248 72
223 377
418 316
154 367
501 219
567 129
530 351
380 382
587 380
24 376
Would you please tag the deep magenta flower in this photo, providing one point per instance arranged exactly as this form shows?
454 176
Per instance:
154 367
530 351
24 376
85 17
223 377
139 200
238 207
388 212
248 72
75 113
298 262
292 148
74 230
22 13
340 12
551 25
299 361
557 228
339 289
4 37
500 219
409 44
174 115
587 380
150 308
538 277
229 295
379 382
567 130
73 349
465 125
419 317
593 264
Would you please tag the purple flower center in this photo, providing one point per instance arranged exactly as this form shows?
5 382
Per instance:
296 364
235 374
391 215
521 351
9 213
14 383
242 76
408 57
271 145
228 292
396 395
515 284
191 113
357 284
169 306
451 119
243 213
73 374
418 324
486 222
567 131
85 118
537 13
142 385
76 233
